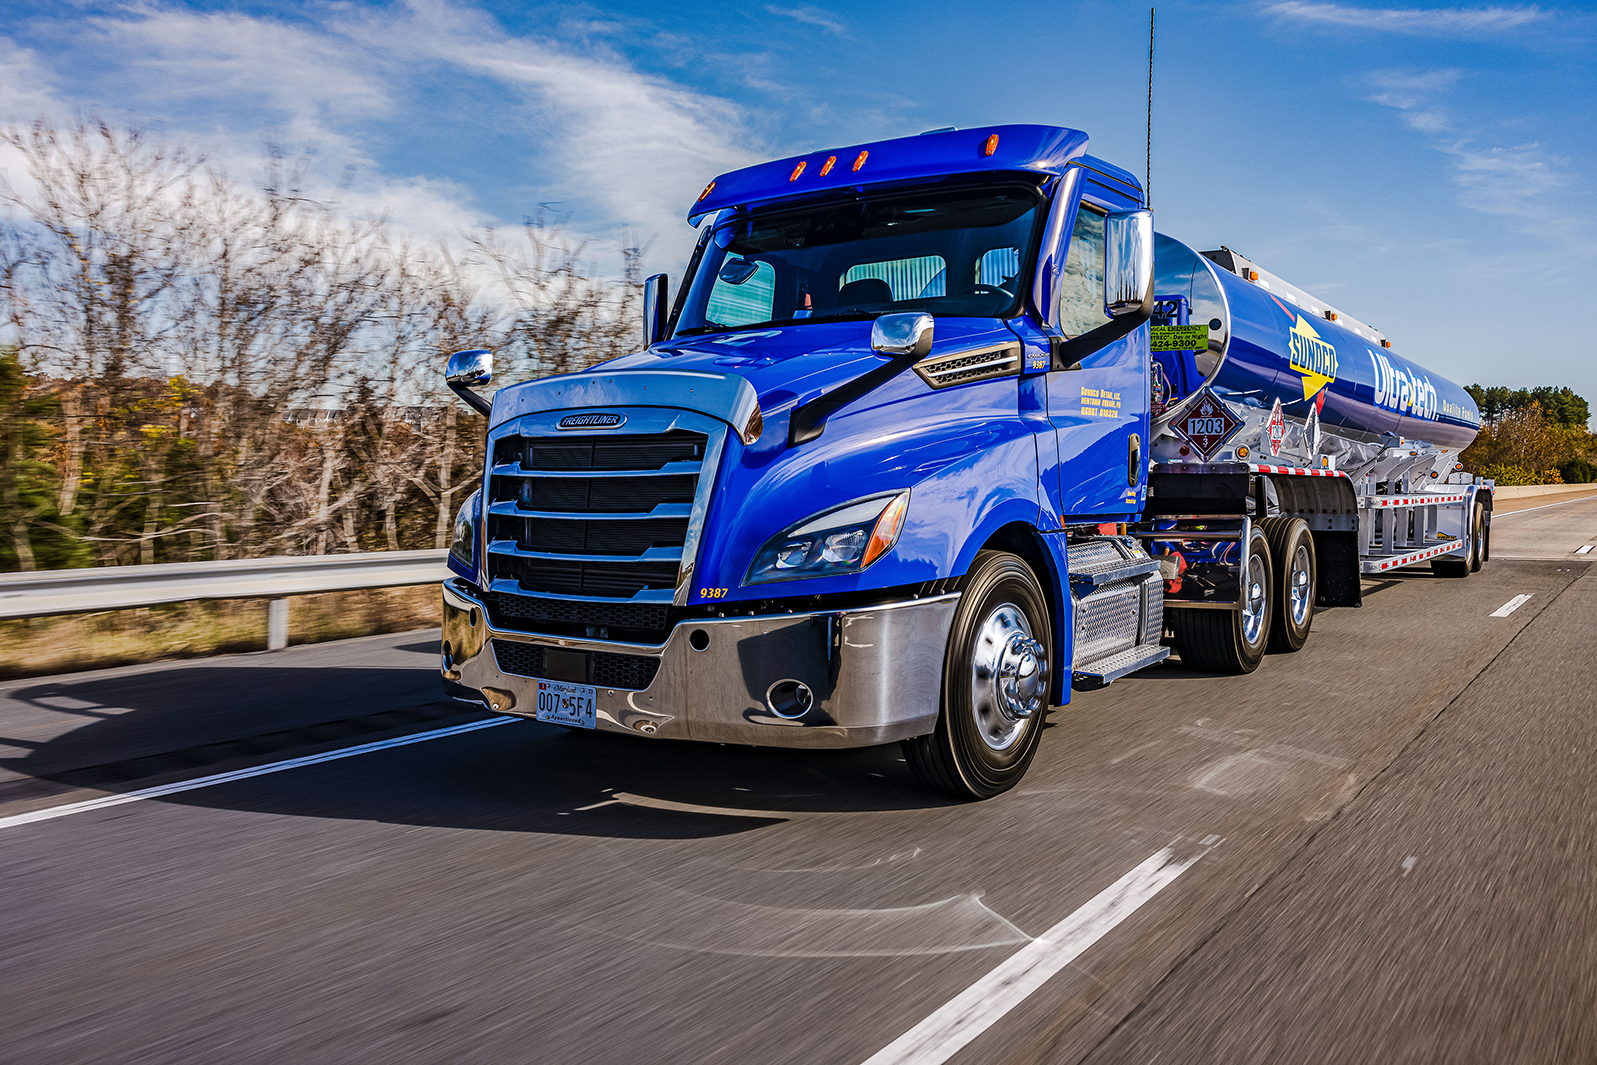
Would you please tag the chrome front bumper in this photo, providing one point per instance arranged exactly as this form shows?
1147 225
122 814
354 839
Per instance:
876 673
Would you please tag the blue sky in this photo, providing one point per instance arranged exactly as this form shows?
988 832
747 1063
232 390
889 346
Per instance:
1429 168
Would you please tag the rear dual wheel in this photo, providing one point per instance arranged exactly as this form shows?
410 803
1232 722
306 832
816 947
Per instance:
1231 641
995 684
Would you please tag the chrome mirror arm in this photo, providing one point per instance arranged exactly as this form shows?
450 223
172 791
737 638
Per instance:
466 368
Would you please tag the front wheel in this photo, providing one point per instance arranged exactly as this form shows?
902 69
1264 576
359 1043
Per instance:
995 684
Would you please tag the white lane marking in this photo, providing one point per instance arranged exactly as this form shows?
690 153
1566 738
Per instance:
1134 750
1585 549
1408 864
595 806
104 801
1509 607
975 1009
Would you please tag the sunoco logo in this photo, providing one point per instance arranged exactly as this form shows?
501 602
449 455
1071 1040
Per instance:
592 421
1311 357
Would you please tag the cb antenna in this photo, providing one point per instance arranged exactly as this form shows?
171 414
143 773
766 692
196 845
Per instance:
1147 180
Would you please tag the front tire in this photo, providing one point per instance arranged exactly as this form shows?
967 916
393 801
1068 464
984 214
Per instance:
1231 641
995 684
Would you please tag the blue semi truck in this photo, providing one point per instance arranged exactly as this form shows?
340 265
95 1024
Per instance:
935 430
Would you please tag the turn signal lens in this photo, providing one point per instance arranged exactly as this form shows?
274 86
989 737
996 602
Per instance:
991 146
888 526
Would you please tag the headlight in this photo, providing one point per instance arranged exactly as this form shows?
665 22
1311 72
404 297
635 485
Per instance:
845 539
463 545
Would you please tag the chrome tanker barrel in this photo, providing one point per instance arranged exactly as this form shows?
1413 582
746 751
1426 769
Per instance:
1271 341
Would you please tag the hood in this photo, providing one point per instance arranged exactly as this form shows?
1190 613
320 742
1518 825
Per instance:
789 364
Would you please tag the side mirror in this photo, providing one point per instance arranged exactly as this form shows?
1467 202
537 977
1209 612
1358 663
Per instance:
468 368
902 334
654 309
1128 262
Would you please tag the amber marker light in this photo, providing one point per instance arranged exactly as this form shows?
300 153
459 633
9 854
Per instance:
797 170
990 146
859 160
885 534
707 190
826 167
1386 343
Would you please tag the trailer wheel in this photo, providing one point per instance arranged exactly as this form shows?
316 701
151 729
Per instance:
1478 523
1453 565
1230 641
1296 581
995 684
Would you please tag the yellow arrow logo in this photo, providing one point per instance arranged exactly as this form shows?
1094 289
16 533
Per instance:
1311 357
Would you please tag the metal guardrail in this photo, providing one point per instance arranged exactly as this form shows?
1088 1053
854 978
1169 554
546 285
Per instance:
50 592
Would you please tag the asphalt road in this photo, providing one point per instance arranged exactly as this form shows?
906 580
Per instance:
1385 845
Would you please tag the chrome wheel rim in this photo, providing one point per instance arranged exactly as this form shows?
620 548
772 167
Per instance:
1008 677
1254 599
1300 589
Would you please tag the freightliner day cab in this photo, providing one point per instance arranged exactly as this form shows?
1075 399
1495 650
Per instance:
935 430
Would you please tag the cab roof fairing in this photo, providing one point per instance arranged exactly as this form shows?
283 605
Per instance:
1025 148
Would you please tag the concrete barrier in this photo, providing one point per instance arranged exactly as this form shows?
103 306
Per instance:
1524 491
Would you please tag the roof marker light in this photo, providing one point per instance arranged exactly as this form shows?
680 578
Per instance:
1385 343
707 190
859 160
1251 275
826 167
1330 316
797 170
990 146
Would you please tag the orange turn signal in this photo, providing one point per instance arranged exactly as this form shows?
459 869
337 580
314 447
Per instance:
885 534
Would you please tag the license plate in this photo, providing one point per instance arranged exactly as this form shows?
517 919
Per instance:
560 703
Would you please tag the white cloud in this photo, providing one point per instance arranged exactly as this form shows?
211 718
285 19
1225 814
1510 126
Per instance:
1413 94
1520 182
811 16
26 88
619 146
1428 22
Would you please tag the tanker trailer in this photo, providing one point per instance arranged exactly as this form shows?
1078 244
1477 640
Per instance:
1293 452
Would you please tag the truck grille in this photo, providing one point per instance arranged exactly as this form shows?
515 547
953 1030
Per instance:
604 670
599 516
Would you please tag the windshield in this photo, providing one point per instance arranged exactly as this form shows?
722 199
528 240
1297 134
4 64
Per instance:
954 253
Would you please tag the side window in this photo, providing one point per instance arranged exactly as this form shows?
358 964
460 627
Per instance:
743 293
908 279
999 268
1080 307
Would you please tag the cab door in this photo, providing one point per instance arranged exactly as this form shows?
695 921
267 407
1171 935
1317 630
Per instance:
1099 406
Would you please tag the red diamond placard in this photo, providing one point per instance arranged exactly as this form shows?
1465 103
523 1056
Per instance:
1207 424
1275 429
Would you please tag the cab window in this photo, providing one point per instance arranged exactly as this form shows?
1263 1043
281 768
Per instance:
907 279
743 293
1081 292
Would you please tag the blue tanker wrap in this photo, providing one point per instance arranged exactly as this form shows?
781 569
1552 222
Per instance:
1278 350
